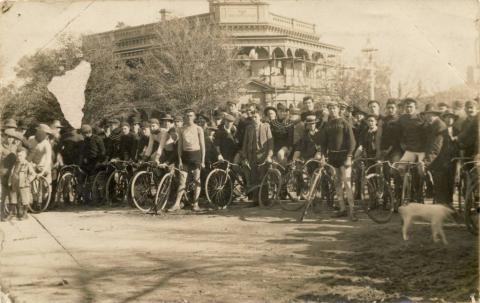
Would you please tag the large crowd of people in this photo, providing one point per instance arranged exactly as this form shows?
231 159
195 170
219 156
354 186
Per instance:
333 132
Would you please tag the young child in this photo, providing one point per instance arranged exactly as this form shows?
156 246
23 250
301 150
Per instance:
21 176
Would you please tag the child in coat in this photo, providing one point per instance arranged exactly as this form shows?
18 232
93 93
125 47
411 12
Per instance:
20 180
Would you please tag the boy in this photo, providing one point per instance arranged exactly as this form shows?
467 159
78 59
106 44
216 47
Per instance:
19 182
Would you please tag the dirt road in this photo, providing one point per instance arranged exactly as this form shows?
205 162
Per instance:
239 255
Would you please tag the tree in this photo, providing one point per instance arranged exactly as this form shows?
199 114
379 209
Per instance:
191 67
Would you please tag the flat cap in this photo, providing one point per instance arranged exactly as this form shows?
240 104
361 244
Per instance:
228 117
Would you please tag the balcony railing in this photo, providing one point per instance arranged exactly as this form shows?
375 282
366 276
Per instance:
292 24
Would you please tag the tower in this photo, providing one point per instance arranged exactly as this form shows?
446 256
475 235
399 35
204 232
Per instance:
239 11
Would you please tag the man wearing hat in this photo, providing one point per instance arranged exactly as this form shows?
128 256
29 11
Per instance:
443 107
10 141
9 123
93 150
309 144
298 127
143 139
359 125
226 141
178 121
70 143
112 141
437 157
217 117
280 127
202 120
22 127
156 142
136 125
458 108
233 110
270 113
166 122
308 107
338 144
343 106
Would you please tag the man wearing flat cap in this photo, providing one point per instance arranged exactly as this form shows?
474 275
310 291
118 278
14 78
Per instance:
112 141
389 137
10 141
93 150
226 140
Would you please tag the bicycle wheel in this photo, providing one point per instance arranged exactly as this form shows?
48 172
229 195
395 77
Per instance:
98 188
270 188
116 188
67 191
143 190
311 194
163 197
41 192
294 187
472 206
379 206
219 188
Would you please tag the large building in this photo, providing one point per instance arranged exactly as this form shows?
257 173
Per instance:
284 57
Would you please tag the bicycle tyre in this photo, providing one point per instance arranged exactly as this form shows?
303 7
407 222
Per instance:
163 194
116 190
41 192
98 188
142 191
68 189
311 194
219 188
379 195
472 206
293 184
270 186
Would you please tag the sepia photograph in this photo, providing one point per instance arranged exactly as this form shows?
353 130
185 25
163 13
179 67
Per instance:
184 151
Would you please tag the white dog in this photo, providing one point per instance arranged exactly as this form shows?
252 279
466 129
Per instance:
433 213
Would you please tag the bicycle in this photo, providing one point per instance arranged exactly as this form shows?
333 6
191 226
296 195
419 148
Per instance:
116 188
294 186
69 189
166 194
381 202
358 175
41 193
271 184
472 198
324 172
460 182
143 189
408 193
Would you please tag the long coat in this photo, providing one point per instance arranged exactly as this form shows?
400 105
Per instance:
255 149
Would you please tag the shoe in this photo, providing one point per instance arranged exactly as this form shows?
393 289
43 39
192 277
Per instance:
174 208
195 207
340 214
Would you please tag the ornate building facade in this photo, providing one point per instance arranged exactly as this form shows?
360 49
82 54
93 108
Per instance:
284 57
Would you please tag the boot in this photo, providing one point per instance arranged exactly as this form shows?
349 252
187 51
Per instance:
19 208
24 212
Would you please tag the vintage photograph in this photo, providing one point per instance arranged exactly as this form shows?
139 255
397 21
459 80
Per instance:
184 151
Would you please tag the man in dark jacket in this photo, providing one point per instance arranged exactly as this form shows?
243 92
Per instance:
435 132
389 141
226 141
93 151
468 136
112 141
70 143
128 143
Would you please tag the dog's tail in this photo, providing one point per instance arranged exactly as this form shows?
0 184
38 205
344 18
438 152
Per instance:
449 212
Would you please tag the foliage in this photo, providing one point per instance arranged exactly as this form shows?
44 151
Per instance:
354 84
191 67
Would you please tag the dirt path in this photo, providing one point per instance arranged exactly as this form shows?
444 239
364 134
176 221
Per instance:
240 255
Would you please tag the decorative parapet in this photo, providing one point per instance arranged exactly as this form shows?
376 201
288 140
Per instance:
292 24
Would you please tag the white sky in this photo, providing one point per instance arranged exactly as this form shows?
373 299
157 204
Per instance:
431 40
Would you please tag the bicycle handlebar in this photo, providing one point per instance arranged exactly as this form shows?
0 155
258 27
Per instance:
460 159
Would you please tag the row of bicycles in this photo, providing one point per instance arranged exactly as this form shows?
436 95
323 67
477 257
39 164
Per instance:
303 186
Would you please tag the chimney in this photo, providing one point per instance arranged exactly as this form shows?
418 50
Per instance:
163 14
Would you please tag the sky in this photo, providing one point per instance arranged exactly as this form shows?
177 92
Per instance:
428 40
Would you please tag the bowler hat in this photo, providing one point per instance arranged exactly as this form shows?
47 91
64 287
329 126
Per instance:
203 115
9 123
449 113
429 109
136 120
357 110
166 117
114 121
